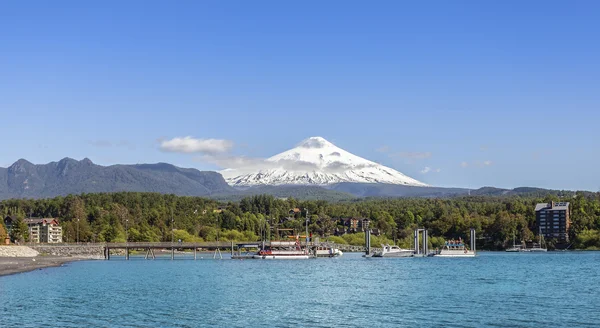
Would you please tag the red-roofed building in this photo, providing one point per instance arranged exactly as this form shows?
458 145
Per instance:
44 230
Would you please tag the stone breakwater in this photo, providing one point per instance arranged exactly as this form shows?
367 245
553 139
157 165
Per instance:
80 251
17 251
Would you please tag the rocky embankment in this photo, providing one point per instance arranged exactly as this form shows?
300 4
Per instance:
17 251
79 251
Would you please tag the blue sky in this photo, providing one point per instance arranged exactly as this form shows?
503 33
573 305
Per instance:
488 93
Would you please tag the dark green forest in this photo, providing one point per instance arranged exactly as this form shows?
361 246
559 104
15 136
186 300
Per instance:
115 217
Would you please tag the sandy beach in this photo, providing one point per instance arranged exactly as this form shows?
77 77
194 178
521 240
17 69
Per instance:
12 265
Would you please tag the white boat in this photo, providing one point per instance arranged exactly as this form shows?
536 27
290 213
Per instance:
537 248
394 251
455 249
514 247
323 251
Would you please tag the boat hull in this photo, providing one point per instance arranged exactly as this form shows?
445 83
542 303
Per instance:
535 250
395 254
281 257
455 253
327 252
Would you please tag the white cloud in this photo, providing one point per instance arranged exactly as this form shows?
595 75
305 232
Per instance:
464 164
193 145
427 169
488 163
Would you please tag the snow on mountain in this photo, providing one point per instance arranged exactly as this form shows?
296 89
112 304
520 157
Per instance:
316 161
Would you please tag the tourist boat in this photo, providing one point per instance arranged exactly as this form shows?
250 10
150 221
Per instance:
283 250
322 251
455 248
394 251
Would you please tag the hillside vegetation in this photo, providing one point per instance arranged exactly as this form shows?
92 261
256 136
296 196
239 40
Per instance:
152 216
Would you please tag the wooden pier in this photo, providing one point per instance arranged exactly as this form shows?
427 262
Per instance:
149 248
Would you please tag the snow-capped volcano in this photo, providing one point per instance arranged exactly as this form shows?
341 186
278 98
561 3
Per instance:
316 161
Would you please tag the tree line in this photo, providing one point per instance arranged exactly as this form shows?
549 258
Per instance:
152 217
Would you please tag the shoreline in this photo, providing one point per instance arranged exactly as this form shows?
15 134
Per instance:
15 265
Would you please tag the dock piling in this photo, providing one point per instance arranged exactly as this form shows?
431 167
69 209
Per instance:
367 237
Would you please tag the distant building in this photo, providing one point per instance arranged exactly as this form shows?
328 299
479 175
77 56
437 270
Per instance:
553 220
351 225
294 211
41 230
220 209
44 230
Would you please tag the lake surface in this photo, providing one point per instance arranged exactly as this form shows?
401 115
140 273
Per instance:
558 289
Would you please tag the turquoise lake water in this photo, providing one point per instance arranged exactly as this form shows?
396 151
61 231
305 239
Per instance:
556 289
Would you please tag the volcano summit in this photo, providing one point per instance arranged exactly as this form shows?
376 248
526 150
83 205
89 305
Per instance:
316 161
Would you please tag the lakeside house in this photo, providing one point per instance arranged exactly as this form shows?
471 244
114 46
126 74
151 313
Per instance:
41 230
553 220
353 225
220 209
295 211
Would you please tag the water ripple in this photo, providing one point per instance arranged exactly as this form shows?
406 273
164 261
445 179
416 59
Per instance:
492 290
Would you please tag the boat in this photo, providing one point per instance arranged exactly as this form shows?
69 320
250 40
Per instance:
454 248
393 251
536 247
514 247
283 250
323 251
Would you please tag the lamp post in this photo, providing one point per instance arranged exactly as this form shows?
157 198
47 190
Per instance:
172 229
126 231
77 231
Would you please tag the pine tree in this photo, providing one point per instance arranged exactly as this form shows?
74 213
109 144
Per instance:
20 230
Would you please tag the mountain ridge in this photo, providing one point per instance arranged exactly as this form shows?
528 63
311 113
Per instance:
24 179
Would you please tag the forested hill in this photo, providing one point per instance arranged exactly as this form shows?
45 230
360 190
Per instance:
68 176
147 217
